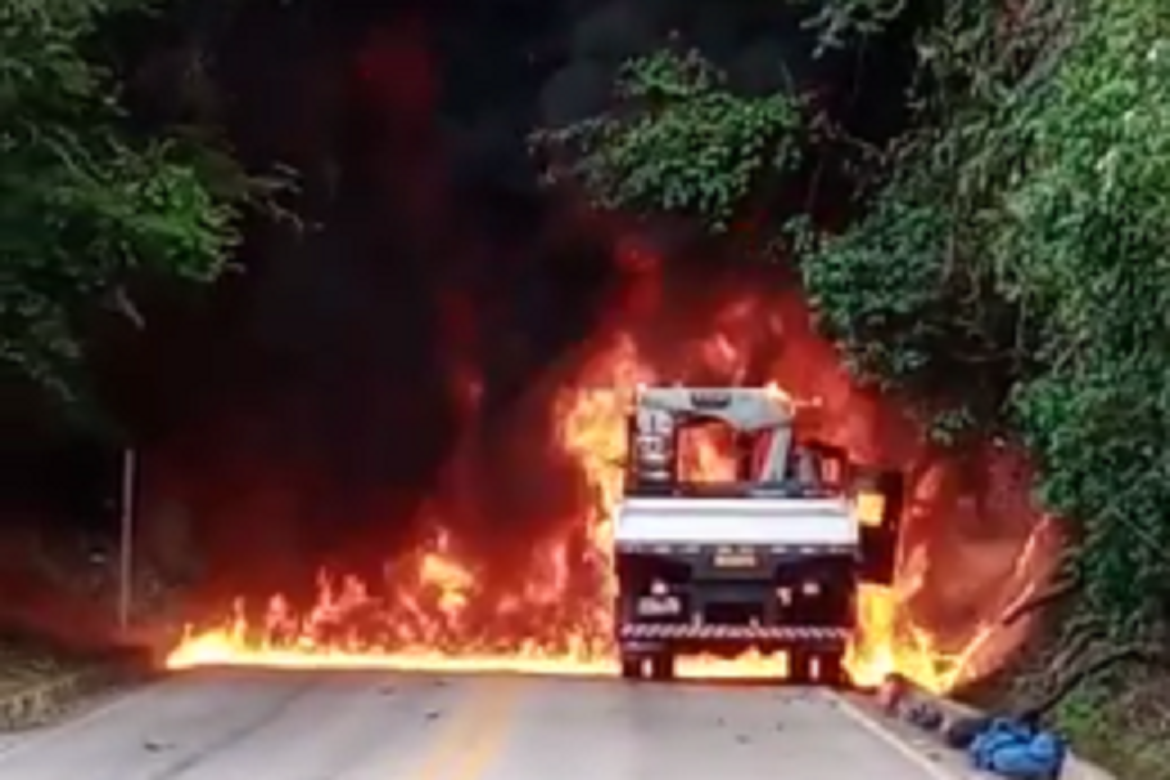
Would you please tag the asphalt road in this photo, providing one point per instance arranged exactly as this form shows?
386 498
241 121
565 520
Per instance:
255 725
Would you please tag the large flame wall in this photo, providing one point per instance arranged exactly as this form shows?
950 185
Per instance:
506 564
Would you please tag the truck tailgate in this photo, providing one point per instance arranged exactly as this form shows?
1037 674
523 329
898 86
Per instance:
731 521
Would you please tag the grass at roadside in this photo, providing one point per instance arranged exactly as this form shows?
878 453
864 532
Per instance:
42 680
1122 724
26 662
1119 721
59 638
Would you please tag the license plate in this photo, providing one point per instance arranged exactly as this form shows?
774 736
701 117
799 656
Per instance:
659 605
742 560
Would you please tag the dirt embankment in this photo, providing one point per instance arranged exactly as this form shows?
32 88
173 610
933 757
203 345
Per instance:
59 635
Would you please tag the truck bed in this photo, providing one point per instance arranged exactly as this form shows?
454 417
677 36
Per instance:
735 521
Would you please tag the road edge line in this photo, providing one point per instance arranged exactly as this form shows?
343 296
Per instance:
908 751
117 696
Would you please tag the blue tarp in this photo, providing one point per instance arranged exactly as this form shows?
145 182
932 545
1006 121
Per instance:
1018 751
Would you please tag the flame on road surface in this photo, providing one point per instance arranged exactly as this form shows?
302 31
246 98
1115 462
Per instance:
438 608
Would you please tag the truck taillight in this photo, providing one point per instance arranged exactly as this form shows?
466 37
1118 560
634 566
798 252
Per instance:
870 508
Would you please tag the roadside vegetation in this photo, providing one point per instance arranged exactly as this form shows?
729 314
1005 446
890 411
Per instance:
1000 263
98 200
111 183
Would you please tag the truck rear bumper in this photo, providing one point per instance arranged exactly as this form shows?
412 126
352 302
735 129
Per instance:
686 638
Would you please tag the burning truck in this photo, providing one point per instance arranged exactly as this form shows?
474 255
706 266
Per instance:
771 560
659 554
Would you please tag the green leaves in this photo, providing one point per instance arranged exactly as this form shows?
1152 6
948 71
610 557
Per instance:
676 142
1010 271
1088 239
837 21
1028 218
873 286
85 206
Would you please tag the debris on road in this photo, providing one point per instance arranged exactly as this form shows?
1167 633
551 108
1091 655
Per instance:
1013 748
1018 750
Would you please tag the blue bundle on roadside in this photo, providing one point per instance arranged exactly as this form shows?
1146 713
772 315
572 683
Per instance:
1018 751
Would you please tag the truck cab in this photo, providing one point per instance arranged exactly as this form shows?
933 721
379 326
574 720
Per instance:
770 560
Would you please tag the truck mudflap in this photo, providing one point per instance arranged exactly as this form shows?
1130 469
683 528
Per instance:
684 631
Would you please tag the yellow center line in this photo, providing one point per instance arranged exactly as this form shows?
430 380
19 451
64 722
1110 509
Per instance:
454 730
489 741
473 734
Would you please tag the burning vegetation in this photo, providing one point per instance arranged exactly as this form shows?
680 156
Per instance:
539 598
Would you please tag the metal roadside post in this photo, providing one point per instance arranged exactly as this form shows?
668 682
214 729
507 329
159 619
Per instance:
126 541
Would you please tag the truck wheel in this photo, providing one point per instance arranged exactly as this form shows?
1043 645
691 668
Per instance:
662 667
631 667
799 667
831 669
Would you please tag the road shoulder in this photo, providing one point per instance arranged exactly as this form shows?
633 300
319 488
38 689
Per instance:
67 691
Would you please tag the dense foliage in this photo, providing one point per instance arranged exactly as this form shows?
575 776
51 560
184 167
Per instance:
680 142
89 205
1005 266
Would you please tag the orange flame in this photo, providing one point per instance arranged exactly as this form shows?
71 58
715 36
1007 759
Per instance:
435 608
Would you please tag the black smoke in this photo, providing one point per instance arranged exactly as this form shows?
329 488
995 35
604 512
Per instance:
426 242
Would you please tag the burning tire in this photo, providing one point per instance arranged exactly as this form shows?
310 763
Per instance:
631 667
661 667
800 667
816 668
831 670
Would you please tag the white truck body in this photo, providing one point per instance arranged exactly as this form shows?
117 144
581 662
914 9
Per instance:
736 521
770 559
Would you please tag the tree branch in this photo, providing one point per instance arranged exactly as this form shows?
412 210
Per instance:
122 303
1022 608
1141 653
1074 649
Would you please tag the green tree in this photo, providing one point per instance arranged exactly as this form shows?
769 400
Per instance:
1006 269
912 289
87 203
1086 245
677 142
